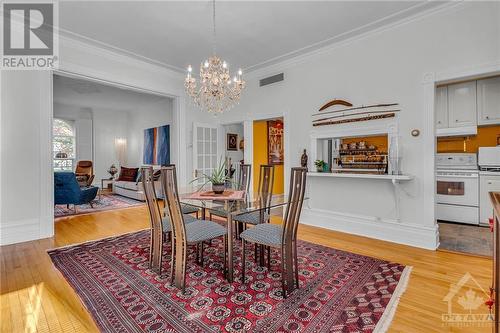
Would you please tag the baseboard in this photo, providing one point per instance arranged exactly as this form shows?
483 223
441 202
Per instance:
368 226
21 231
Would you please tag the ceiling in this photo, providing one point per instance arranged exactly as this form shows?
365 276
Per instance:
249 34
83 93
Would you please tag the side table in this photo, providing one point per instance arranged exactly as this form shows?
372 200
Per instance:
109 185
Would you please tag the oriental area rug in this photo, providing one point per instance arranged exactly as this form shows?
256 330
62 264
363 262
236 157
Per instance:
339 291
106 201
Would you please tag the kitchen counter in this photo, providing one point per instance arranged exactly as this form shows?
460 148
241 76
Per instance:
394 178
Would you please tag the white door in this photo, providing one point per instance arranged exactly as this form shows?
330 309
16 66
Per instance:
442 107
205 149
488 101
462 107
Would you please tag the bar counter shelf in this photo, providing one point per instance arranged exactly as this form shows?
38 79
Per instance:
365 175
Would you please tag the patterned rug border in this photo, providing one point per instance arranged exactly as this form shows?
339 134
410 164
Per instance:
387 317
382 325
102 210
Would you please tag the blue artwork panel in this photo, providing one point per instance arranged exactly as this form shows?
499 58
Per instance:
149 146
163 145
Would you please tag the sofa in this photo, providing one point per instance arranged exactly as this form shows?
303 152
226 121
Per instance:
67 190
129 184
134 189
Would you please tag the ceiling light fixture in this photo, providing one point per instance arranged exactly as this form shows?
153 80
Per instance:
217 92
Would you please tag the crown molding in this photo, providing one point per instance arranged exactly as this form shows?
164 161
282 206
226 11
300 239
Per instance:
93 43
281 63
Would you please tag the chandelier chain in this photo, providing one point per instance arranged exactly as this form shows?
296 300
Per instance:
214 37
216 91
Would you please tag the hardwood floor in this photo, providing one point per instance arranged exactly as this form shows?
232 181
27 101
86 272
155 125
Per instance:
36 298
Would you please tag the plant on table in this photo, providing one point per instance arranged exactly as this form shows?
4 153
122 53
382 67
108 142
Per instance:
218 178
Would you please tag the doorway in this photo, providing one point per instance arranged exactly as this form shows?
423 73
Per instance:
268 148
99 129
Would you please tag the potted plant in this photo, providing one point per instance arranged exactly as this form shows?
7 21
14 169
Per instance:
320 165
218 178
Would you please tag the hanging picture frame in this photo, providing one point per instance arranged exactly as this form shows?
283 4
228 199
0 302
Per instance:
231 142
275 153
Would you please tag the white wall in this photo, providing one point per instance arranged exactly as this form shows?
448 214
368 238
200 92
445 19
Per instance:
152 115
237 155
380 67
108 124
26 194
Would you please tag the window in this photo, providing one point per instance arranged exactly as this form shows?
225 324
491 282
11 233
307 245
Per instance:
63 143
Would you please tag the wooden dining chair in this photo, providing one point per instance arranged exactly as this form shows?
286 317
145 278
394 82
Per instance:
186 234
264 195
186 209
160 223
243 184
283 236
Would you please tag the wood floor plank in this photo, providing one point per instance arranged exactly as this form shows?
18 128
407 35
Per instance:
35 297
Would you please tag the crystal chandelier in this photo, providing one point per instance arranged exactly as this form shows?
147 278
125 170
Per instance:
217 92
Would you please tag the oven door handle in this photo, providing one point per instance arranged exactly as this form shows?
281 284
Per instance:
457 176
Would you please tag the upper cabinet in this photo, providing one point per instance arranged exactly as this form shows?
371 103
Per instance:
442 107
488 101
462 107
456 112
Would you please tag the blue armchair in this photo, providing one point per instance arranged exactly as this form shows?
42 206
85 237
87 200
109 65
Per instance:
67 191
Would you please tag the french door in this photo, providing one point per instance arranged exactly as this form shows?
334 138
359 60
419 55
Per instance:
205 149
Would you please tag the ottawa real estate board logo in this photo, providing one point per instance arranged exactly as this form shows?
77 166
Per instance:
29 36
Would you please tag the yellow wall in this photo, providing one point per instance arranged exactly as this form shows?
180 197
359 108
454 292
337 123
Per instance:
486 137
260 158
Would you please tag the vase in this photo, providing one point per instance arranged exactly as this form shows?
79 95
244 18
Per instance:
218 188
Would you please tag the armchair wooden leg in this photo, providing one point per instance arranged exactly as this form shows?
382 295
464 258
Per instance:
201 255
67 206
225 254
242 260
261 255
172 261
296 264
268 258
198 253
283 272
91 204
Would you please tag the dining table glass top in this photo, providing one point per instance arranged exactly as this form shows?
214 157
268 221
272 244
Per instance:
250 202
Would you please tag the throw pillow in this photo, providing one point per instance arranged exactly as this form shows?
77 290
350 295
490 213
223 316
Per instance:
128 174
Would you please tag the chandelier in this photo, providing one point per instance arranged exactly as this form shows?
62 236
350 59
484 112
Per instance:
217 91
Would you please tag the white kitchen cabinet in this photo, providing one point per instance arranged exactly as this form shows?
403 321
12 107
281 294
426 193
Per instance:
488 182
488 101
442 107
462 106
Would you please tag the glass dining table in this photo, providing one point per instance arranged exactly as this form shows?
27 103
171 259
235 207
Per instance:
250 202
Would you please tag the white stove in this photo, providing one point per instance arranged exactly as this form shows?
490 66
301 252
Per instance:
457 188
489 180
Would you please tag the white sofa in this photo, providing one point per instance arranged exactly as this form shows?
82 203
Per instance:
134 190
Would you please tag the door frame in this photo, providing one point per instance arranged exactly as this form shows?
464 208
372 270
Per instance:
430 80
248 135
179 119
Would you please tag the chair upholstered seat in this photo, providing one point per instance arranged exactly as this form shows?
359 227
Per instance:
188 209
167 226
202 230
252 218
264 233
